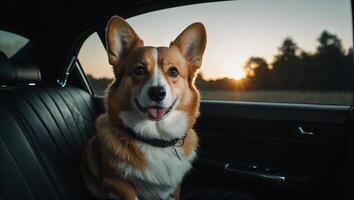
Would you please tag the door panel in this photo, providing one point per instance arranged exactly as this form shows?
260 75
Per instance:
262 144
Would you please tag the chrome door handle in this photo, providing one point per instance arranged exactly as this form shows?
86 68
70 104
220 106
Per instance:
260 176
301 131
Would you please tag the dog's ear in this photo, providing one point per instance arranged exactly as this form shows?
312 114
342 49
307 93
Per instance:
120 39
191 43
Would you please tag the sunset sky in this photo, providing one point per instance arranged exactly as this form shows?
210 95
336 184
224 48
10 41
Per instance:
236 31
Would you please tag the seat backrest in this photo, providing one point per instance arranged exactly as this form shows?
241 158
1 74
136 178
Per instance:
43 132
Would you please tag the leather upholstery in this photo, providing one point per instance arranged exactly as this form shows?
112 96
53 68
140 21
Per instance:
43 134
17 73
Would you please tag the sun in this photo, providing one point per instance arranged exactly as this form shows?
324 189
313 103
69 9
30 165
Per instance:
237 74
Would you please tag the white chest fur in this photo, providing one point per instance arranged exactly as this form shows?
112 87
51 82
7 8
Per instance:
165 169
164 172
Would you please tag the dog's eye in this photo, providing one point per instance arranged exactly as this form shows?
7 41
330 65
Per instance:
173 72
139 71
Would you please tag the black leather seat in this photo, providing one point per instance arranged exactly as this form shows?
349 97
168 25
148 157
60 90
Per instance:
43 132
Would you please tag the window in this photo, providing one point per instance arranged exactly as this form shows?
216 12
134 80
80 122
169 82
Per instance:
262 50
94 60
11 43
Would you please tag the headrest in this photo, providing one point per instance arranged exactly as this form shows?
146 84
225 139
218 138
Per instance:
17 73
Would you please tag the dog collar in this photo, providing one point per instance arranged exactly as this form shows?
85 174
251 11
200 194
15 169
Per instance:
177 142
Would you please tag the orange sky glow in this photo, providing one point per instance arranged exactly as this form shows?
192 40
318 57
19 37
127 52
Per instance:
236 31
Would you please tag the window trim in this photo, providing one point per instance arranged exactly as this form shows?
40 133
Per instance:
82 74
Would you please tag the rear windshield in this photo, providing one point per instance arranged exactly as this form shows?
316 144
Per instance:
11 43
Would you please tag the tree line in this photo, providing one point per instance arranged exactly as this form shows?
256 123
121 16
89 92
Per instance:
329 68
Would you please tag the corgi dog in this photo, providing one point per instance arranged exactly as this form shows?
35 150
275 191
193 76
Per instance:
145 142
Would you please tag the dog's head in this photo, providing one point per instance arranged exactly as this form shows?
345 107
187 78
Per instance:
154 91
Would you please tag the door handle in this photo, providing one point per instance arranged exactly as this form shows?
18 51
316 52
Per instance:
301 131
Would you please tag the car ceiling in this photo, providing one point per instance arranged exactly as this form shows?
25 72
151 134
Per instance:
59 28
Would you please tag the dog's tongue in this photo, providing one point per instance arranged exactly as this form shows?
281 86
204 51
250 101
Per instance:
156 113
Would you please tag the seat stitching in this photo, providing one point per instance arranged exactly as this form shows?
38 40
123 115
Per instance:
55 145
83 139
39 116
86 103
66 123
33 143
16 166
89 120
55 121
73 174
78 106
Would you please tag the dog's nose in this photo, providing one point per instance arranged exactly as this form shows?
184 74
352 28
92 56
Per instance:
157 93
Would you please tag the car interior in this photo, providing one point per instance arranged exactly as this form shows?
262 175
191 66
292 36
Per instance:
248 150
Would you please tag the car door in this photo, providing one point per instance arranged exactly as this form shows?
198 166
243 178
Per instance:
296 149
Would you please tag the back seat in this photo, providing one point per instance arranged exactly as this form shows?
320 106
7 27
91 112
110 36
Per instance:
43 132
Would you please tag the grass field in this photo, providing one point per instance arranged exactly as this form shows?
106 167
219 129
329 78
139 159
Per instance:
339 98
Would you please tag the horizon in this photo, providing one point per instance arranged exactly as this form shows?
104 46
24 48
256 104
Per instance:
259 34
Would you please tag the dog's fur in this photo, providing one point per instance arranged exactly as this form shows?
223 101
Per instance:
117 165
